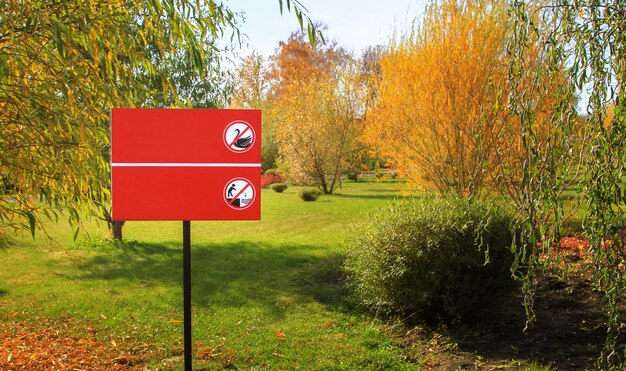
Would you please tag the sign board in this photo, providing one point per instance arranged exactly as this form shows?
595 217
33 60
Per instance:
185 164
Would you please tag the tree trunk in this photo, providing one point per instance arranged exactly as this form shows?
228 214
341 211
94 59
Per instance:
114 226
116 229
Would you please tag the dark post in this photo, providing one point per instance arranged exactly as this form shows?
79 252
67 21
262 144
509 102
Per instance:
187 291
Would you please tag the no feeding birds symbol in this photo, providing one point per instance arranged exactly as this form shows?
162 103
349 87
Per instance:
239 136
239 193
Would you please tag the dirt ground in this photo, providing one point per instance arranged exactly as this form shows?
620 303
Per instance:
568 334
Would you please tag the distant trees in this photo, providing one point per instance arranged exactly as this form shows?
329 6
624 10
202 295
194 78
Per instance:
313 100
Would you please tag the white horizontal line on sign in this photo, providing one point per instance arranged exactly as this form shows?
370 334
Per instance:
183 164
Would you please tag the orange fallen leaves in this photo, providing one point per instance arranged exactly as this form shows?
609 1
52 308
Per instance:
577 248
573 243
216 352
25 346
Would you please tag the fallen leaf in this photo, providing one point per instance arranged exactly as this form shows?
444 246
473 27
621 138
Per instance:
204 355
123 360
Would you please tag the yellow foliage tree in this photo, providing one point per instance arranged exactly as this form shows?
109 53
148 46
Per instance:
432 91
439 112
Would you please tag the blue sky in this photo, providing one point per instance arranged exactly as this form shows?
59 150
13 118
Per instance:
354 24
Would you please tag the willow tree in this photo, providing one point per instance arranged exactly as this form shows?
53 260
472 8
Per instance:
63 65
589 39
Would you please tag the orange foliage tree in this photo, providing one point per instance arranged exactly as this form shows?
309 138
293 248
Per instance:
318 102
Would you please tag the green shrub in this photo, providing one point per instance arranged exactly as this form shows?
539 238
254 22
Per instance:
278 187
310 194
271 172
440 256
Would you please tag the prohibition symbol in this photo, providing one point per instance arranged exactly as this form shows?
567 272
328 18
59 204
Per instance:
239 193
239 136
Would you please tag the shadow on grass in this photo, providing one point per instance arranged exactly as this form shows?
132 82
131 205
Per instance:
3 292
229 274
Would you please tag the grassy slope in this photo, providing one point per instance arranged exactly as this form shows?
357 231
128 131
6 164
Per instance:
251 282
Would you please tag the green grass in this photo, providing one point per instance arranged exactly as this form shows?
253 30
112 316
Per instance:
250 280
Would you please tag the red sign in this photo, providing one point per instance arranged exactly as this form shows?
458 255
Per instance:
185 164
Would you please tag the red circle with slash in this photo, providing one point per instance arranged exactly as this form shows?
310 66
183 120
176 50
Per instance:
239 193
239 136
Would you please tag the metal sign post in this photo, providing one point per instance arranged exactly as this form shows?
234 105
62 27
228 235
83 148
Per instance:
187 291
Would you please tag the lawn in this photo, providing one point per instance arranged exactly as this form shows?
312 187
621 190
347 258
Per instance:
266 294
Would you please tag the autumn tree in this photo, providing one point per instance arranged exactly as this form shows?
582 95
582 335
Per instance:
371 72
428 114
319 103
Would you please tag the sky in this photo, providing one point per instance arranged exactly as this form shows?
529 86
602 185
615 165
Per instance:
353 24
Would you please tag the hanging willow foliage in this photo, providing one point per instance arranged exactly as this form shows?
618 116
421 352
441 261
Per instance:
65 64
588 39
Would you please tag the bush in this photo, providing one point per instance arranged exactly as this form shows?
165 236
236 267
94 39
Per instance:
354 176
271 177
310 194
278 187
443 257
